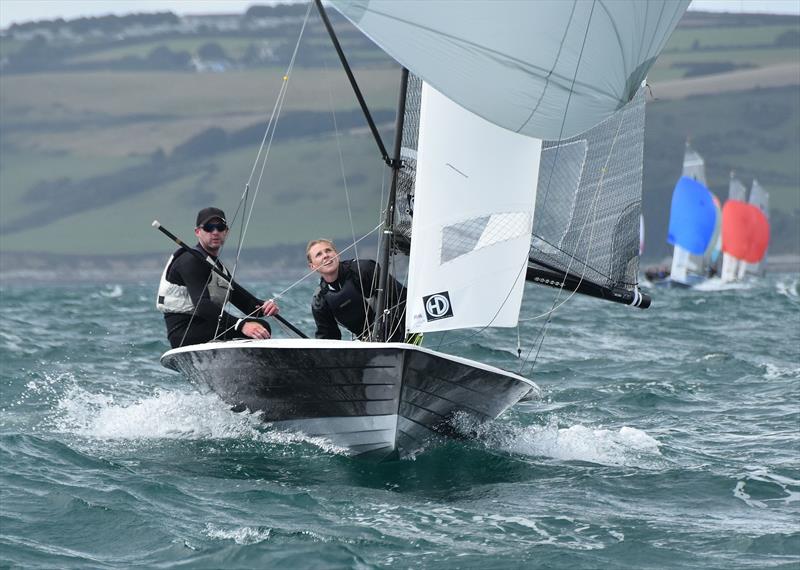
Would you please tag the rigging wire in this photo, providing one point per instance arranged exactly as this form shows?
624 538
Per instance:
266 146
337 138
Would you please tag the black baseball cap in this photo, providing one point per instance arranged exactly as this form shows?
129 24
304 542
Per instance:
208 214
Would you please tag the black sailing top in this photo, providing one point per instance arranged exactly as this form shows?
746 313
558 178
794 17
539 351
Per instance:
195 274
347 301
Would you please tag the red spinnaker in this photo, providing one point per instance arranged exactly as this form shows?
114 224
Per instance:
745 231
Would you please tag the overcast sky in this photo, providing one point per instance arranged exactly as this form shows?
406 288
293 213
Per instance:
18 11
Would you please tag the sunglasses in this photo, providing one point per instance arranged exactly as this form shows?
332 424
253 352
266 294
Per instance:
220 227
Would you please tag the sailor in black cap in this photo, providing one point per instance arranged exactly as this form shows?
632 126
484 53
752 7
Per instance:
192 296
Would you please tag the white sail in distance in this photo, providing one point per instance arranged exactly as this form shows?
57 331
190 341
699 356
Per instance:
760 199
549 69
473 215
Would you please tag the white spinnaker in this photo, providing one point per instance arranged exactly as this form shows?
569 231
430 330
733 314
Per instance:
473 216
545 68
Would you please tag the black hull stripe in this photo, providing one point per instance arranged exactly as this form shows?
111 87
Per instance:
341 432
458 384
460 406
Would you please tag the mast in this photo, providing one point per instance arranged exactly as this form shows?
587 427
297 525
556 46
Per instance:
380 333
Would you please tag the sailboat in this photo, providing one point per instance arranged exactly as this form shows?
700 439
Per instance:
745 231
494 79
694 224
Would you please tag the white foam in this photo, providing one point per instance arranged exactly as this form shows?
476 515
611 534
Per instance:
242 535
740 493
789 288
167 415
788 486
626 446
717 284
115 292
773 372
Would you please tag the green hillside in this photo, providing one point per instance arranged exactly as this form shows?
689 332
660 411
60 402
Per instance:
99 138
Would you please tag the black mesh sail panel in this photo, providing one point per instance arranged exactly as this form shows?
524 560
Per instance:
588 205
407 174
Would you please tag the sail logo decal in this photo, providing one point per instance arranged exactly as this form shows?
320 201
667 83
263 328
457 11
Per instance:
437 306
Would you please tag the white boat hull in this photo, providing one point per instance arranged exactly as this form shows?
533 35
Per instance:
380 399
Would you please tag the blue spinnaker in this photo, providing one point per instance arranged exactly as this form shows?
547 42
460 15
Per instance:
693 216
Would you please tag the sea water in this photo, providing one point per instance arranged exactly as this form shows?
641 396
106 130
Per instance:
664 438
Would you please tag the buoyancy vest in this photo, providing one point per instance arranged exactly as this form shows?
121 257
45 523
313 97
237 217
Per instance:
348 303
175 298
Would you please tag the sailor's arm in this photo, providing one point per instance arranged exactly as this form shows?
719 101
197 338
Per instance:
327 327
250 305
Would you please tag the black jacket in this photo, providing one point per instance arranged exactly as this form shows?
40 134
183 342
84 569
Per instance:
193 273
346 302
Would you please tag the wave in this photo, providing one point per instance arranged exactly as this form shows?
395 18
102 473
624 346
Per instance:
110 292
167 415
770 487
241 535
627 446
717 284
788 288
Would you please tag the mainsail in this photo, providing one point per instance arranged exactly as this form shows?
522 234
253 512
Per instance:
587 228
551 69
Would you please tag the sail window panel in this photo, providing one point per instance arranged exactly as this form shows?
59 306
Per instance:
477 233
559 176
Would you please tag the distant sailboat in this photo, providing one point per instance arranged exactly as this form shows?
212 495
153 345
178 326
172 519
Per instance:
737 193
745 231
694 224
